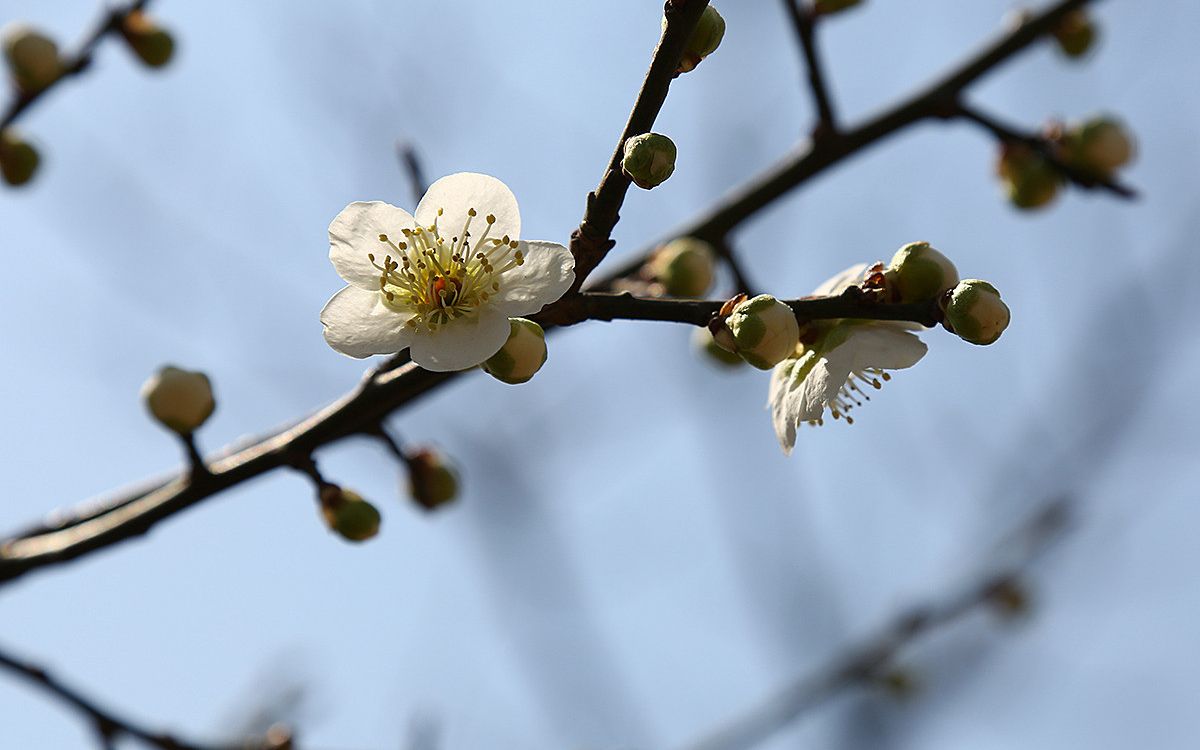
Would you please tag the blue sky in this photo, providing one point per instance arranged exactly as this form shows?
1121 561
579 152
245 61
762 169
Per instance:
633 560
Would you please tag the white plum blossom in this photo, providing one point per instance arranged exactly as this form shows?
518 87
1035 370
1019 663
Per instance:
834 364
442 283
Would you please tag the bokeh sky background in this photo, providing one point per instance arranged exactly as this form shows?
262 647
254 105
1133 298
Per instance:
633 561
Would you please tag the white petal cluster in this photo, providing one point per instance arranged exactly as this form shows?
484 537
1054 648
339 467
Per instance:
443 282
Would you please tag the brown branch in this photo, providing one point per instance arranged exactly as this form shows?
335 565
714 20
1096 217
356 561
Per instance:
804 22
76 63
871 659
592 240
741 282
410 161
107 726
1045 148
397 381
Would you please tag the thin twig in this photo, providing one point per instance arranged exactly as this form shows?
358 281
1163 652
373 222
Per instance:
804 22
741 282
406 152
874 656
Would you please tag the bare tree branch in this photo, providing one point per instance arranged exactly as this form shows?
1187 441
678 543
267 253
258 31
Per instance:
804 22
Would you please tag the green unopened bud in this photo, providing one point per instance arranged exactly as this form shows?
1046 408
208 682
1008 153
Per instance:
919 272
1075 34
684 266
179 399
1029 180
975 312
153 44
825 7
712 351
1100 145
19 160
764 330
521 356
649 159
705 39
348 515
433 482
32 57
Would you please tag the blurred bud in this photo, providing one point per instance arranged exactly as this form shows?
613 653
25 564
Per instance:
684 266
19 160
975 312
347 514
919 272
1030 180
705 39
179 399
1075 34
1009 598
712 351
32 57
649 159
1099 145
900 684
278 737
764 331
521 356
825 7
433 482
153 44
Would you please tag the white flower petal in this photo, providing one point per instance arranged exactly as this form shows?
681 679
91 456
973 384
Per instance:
461 343
882 345
358 324
354 233
782 401
547 273
827 377
839 283
458 192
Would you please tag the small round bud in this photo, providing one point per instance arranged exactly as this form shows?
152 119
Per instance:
348 515
1029 180
975 312
825 7
684 266
1100 145
712 351
521 356
179 399
1075 34
764 330
433 482
32 57
153 44
919 272
19 160
649 159
705 39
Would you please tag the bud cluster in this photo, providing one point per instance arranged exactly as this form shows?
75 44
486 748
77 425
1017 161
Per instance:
762 331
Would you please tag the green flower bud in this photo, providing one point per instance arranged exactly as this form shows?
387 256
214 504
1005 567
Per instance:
684 266
919 272
348 515
705 39
19 160
712 351
521 356
433 482
825 7
975 312
1075 34
32 57
1030 181
649 159
764 330
153 45
179 399
1100 145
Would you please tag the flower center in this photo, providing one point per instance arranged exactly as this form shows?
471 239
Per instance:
437 279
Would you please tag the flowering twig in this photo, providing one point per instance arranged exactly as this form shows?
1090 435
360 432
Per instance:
871 659
804 23
1045 148
108 727
76 63
398 382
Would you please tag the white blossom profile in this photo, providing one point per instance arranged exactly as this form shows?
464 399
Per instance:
443 282
835 363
